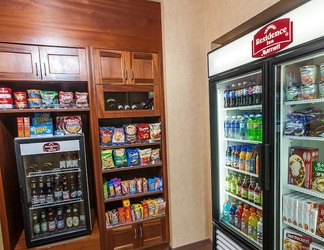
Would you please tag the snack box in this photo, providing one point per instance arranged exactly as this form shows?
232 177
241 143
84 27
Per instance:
308 206
296 201
286 198
320 221
316 246
300 166
293 239
20 127
41 130
318 176
300 210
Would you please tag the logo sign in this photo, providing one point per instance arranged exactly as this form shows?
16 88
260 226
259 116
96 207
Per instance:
51 147
272 38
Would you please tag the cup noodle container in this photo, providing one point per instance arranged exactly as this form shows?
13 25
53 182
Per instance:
5 103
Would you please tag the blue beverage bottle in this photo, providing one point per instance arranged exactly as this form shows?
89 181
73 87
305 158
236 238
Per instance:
233 124
232 213
227 127
233 95
243 126
237 126
227 97
226 211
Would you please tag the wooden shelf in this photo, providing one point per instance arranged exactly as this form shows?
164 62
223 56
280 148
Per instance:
130 168
58 110
133 196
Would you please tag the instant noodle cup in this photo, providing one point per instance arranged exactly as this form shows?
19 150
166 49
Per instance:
308 74
20 96
5 103
33 93
5 91
34 103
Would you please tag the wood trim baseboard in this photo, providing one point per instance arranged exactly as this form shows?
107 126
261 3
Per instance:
195 245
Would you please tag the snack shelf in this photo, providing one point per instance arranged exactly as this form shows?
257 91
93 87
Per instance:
246 201
245 108
311 101
121 169
307 138
304 231
135 145
243 141
128 113
133 196
13 111
134 222
305 191
56 203
241 171
54 171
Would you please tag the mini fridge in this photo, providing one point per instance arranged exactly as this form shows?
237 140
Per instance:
53 188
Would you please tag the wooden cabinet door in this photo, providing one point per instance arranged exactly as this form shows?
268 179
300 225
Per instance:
63 64
152 232
109 67
122 238
144 68
19 62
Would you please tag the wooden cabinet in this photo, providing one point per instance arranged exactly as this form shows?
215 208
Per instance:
144 234
123 67
34 63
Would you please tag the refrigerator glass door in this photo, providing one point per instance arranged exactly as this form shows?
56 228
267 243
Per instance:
239 134
299 150
52 177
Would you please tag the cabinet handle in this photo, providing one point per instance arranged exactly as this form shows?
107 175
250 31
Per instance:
126 75
132 71
36 69
44 69
135 233
141 232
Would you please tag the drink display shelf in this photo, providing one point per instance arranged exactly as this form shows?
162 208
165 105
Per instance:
306 138
55 171
310 101
244 200
245 108
243 141
241 171
304 231
55 203
305 191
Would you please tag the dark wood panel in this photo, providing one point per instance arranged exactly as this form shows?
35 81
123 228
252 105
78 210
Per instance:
123 25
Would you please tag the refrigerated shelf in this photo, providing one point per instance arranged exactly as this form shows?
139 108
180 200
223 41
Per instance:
305 191
241 171
304 231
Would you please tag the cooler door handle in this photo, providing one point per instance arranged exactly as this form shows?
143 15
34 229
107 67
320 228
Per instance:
266 167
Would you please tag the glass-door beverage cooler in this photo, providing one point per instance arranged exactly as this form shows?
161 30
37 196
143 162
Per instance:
54 189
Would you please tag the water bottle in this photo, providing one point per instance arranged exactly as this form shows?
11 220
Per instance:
243 126
250 127
237 126
227 97
232 130
227 127
258 127
226 210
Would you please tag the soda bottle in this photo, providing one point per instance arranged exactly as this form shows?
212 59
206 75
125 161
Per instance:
252 226
238 217
250 93
232 213
245 188
226 209
248 157
244 93
251 189
245 221
232 130
237 126
233 95
257 93
239 185
250 127
243 126
242 158
228 156
260 230
237 156
233 183
227 97
228 180
227 127
233 156
239 94
258 127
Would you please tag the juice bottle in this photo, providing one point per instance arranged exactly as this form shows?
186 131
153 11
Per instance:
251 189
237 156
232 213
252 226
233 183
248 157
256 163
233 156
253 160
260 230
245 221
225 212
228 182
258 194
242 158
228 156
239 185
245 188
250 127
258 127
238 217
